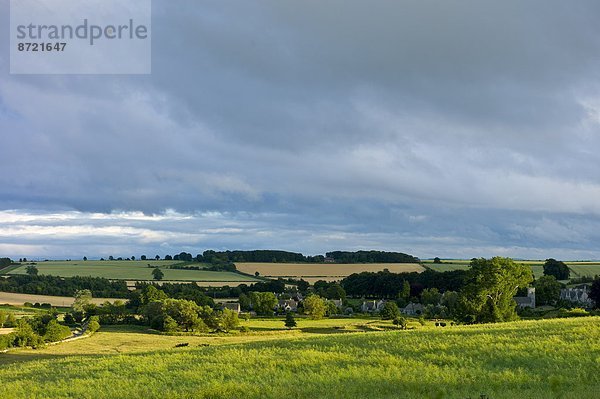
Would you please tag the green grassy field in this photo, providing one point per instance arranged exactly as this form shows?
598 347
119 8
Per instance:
130 270
578 269
557 358
584 269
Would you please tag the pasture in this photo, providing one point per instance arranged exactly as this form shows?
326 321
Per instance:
312 272
578 269
527 359
132 270
581 269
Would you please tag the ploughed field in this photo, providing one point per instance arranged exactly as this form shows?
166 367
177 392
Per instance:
312 272
527 359
133 270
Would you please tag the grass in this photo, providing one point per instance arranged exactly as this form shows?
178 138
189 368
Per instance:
578 269
130 270
530 359
584 269
322 271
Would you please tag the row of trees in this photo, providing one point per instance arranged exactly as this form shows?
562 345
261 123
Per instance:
401 285
35 332
63 286
274 256
371 257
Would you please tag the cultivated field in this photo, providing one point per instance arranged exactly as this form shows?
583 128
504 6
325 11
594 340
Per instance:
323 271
581 269
132 270
11 298
578 269
555 358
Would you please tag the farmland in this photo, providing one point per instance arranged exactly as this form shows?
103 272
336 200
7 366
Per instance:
533 359
322 271
11 298
133 270
578 269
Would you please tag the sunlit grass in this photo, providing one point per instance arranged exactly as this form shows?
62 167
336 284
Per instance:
530 359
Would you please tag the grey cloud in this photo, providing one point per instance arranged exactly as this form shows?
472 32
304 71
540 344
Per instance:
468 125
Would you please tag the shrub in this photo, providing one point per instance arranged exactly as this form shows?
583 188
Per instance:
56 332
94 324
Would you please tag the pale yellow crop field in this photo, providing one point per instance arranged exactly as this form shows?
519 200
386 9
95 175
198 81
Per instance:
12 298
312 272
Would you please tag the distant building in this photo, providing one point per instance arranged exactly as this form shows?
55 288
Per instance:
329 259
235 306
287 305
336 302
578 295
526 301
413 309
372 306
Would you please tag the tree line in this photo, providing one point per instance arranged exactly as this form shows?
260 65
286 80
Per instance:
278 256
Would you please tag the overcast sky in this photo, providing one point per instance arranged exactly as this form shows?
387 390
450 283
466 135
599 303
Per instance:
435 128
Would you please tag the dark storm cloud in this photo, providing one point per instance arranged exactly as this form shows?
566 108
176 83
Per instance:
458 128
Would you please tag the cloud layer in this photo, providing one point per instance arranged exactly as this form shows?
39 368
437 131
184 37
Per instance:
465 128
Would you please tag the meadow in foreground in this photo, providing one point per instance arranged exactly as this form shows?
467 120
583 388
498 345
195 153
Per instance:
527 359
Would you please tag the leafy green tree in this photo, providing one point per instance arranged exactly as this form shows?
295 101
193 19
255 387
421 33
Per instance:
491 285
558 269
437 260
5 262
547 290
56 332
244 301
331 309
449 300
3 316
290 321
400 322
157 274
32 270
315 307
11 320
24 335
335 291
151 293
303 286
430 296
229 320
184 312
405 291
390 311
94 324
83 298
263 303
69 319
169 324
